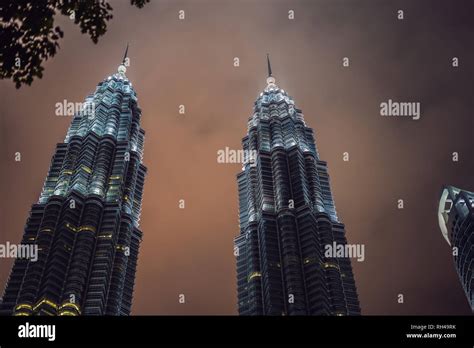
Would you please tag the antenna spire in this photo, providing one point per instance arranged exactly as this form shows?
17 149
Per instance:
122 69
269 66
125 55
270 79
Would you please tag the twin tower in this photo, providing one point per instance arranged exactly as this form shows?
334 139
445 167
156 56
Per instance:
85 224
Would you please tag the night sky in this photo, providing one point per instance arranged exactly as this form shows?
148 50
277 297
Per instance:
190 251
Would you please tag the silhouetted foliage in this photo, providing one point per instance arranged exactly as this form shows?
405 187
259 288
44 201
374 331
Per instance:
28 35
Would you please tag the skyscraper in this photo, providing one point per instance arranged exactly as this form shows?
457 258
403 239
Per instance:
287 218
86 223
456 221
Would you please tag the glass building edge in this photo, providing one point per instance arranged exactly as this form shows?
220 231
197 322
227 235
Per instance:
279 249
86 222
456 222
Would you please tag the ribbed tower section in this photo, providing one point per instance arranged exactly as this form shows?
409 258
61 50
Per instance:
456 221
86 222
287 216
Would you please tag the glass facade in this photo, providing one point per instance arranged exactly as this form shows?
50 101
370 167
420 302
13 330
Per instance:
456 221
86 222
287 216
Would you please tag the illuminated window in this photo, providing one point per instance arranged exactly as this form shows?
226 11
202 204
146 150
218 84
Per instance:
330 265
253 275
47 302
86 228
71 227
63 309
86 169
23 306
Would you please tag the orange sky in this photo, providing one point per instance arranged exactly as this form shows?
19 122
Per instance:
190 251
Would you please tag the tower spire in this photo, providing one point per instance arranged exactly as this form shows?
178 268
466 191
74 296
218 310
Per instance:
125 55
122 69
269 66
270 78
